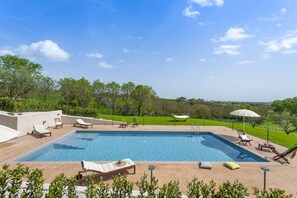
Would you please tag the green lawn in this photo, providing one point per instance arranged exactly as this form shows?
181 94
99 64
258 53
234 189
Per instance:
275 136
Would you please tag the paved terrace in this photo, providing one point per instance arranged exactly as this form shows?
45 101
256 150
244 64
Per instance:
280 176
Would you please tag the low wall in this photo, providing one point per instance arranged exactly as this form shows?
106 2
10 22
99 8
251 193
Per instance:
67 119
8 120
23 122
26 122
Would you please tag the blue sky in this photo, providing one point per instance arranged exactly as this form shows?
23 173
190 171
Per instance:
238 50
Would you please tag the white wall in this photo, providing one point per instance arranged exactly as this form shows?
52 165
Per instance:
24 122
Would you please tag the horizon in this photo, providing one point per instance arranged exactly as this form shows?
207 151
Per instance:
216 50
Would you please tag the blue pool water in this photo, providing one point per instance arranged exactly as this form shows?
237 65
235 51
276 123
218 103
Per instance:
141 146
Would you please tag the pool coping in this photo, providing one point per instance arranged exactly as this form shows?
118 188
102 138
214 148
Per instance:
269 161
281 175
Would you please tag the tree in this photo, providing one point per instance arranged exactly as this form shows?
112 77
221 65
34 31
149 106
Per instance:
278 106
285 122
46 87
182 99
113 92
127 90
193 101
75 92
202 111
18 76
256 121
144 97
245 106
99 92
291 105
85 92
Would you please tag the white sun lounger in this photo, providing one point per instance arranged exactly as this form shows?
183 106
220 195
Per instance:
58 123
41 130
107 168
82 123
244 139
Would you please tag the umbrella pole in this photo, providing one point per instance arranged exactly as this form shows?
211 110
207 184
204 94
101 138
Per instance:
243 124
268 133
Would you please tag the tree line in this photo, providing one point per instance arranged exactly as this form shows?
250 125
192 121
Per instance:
24 88
22 80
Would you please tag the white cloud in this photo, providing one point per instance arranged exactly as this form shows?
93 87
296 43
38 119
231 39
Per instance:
279 25
168 60
188 12
290 51
6 52
272 18
286 44
46 49
206 60
245 62
131 51
214 40
227 49
283 10
126 51
206 3
211 77
105 65
234 34
94 55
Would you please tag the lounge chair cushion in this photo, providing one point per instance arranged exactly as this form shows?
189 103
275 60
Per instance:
244 137
107 167
205 165
231 165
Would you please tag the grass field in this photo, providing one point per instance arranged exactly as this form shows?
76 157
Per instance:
275 136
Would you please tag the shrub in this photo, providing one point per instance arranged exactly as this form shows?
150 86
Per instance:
4 180
235 189
198 188
170 190
15 180
34 184
145 187
272 193
121 187
71 190
57 187
91 187
78 111
103 189
61 186
6 104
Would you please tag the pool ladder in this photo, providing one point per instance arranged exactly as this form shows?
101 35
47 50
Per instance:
195 127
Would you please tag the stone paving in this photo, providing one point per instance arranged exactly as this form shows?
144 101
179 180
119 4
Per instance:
281 175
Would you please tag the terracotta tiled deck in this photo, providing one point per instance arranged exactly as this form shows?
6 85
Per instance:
282 176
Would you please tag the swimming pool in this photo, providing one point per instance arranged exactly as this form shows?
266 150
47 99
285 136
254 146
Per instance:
141 146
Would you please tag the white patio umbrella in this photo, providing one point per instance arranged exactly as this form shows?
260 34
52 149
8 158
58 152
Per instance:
244 113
